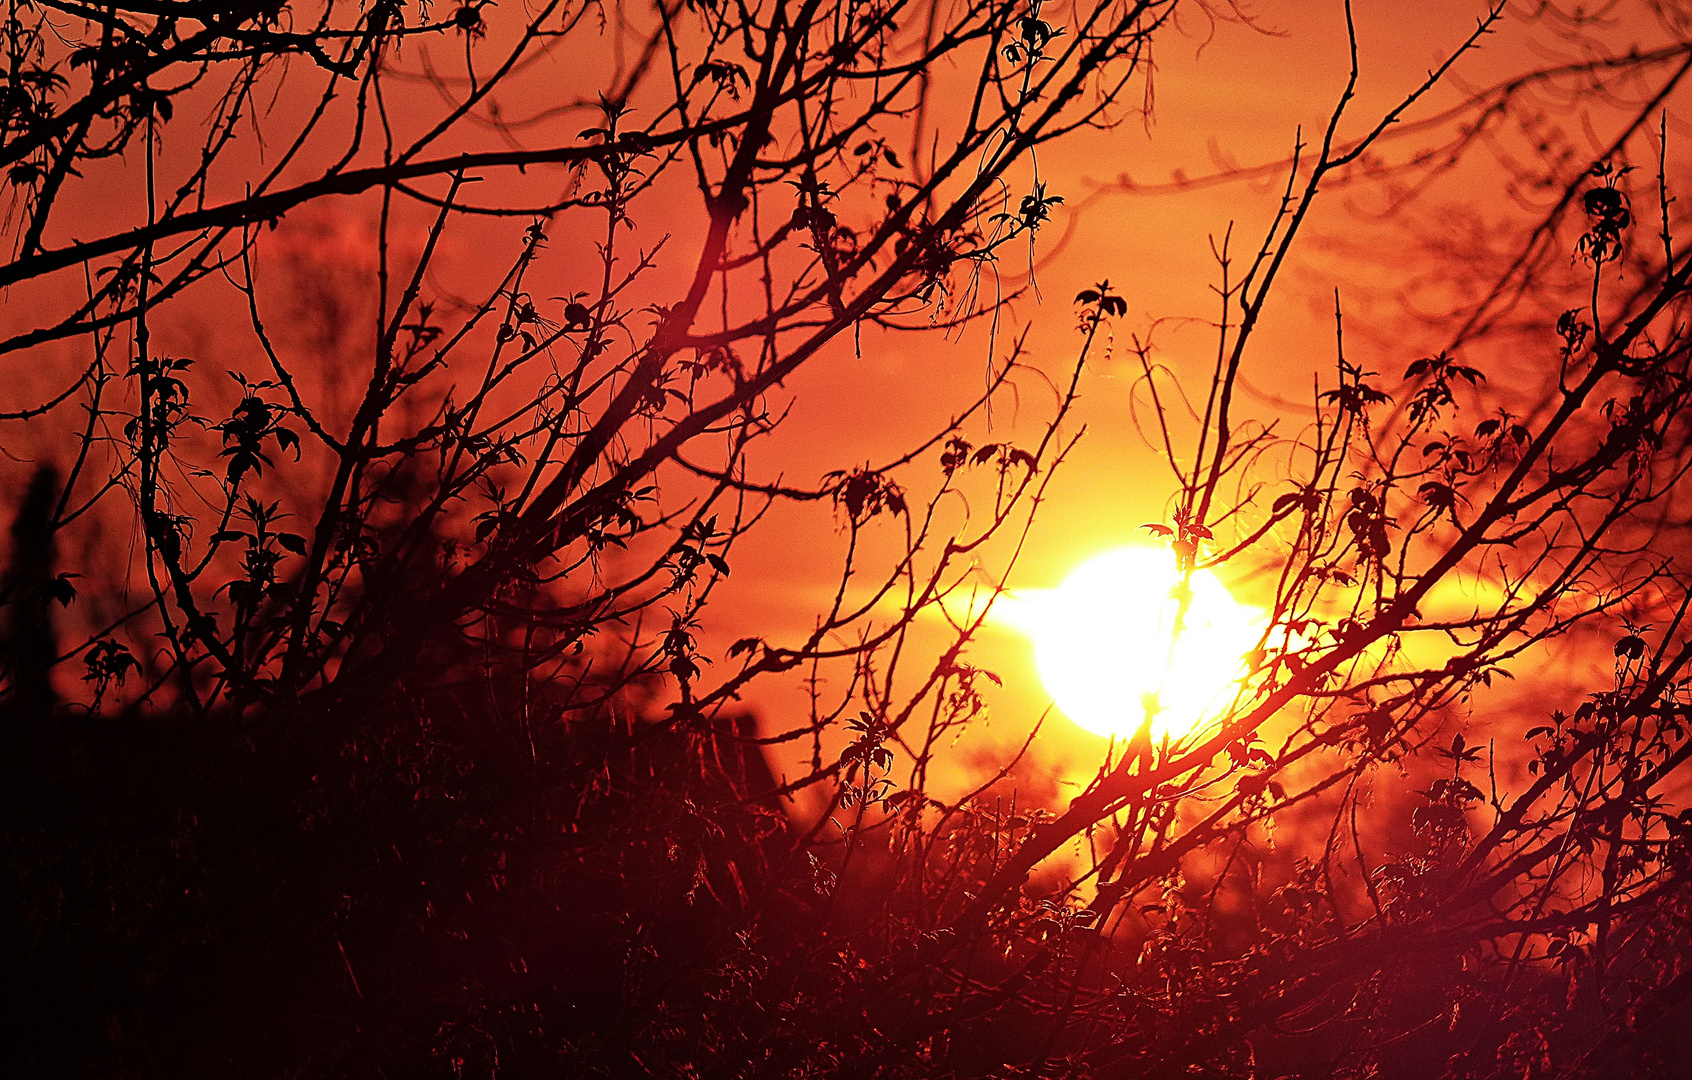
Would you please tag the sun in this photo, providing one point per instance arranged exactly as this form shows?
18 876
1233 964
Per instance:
1102 643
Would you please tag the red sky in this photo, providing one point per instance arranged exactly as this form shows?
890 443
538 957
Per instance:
1224 92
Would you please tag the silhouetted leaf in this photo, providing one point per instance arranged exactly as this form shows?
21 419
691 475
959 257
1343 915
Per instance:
60 588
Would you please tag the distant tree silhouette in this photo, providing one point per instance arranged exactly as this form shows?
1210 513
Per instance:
388 745
29 591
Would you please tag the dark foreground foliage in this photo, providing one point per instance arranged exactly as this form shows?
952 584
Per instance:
454 890
446 889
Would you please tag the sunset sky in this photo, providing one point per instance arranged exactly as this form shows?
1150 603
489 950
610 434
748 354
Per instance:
1227 95
1143 204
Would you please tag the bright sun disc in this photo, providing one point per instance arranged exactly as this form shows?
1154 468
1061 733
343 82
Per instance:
1102 644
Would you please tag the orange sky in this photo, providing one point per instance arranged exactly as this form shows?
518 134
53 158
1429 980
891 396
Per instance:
1239 97
1224 92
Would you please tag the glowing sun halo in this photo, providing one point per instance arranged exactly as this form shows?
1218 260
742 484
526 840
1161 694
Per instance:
1102 643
